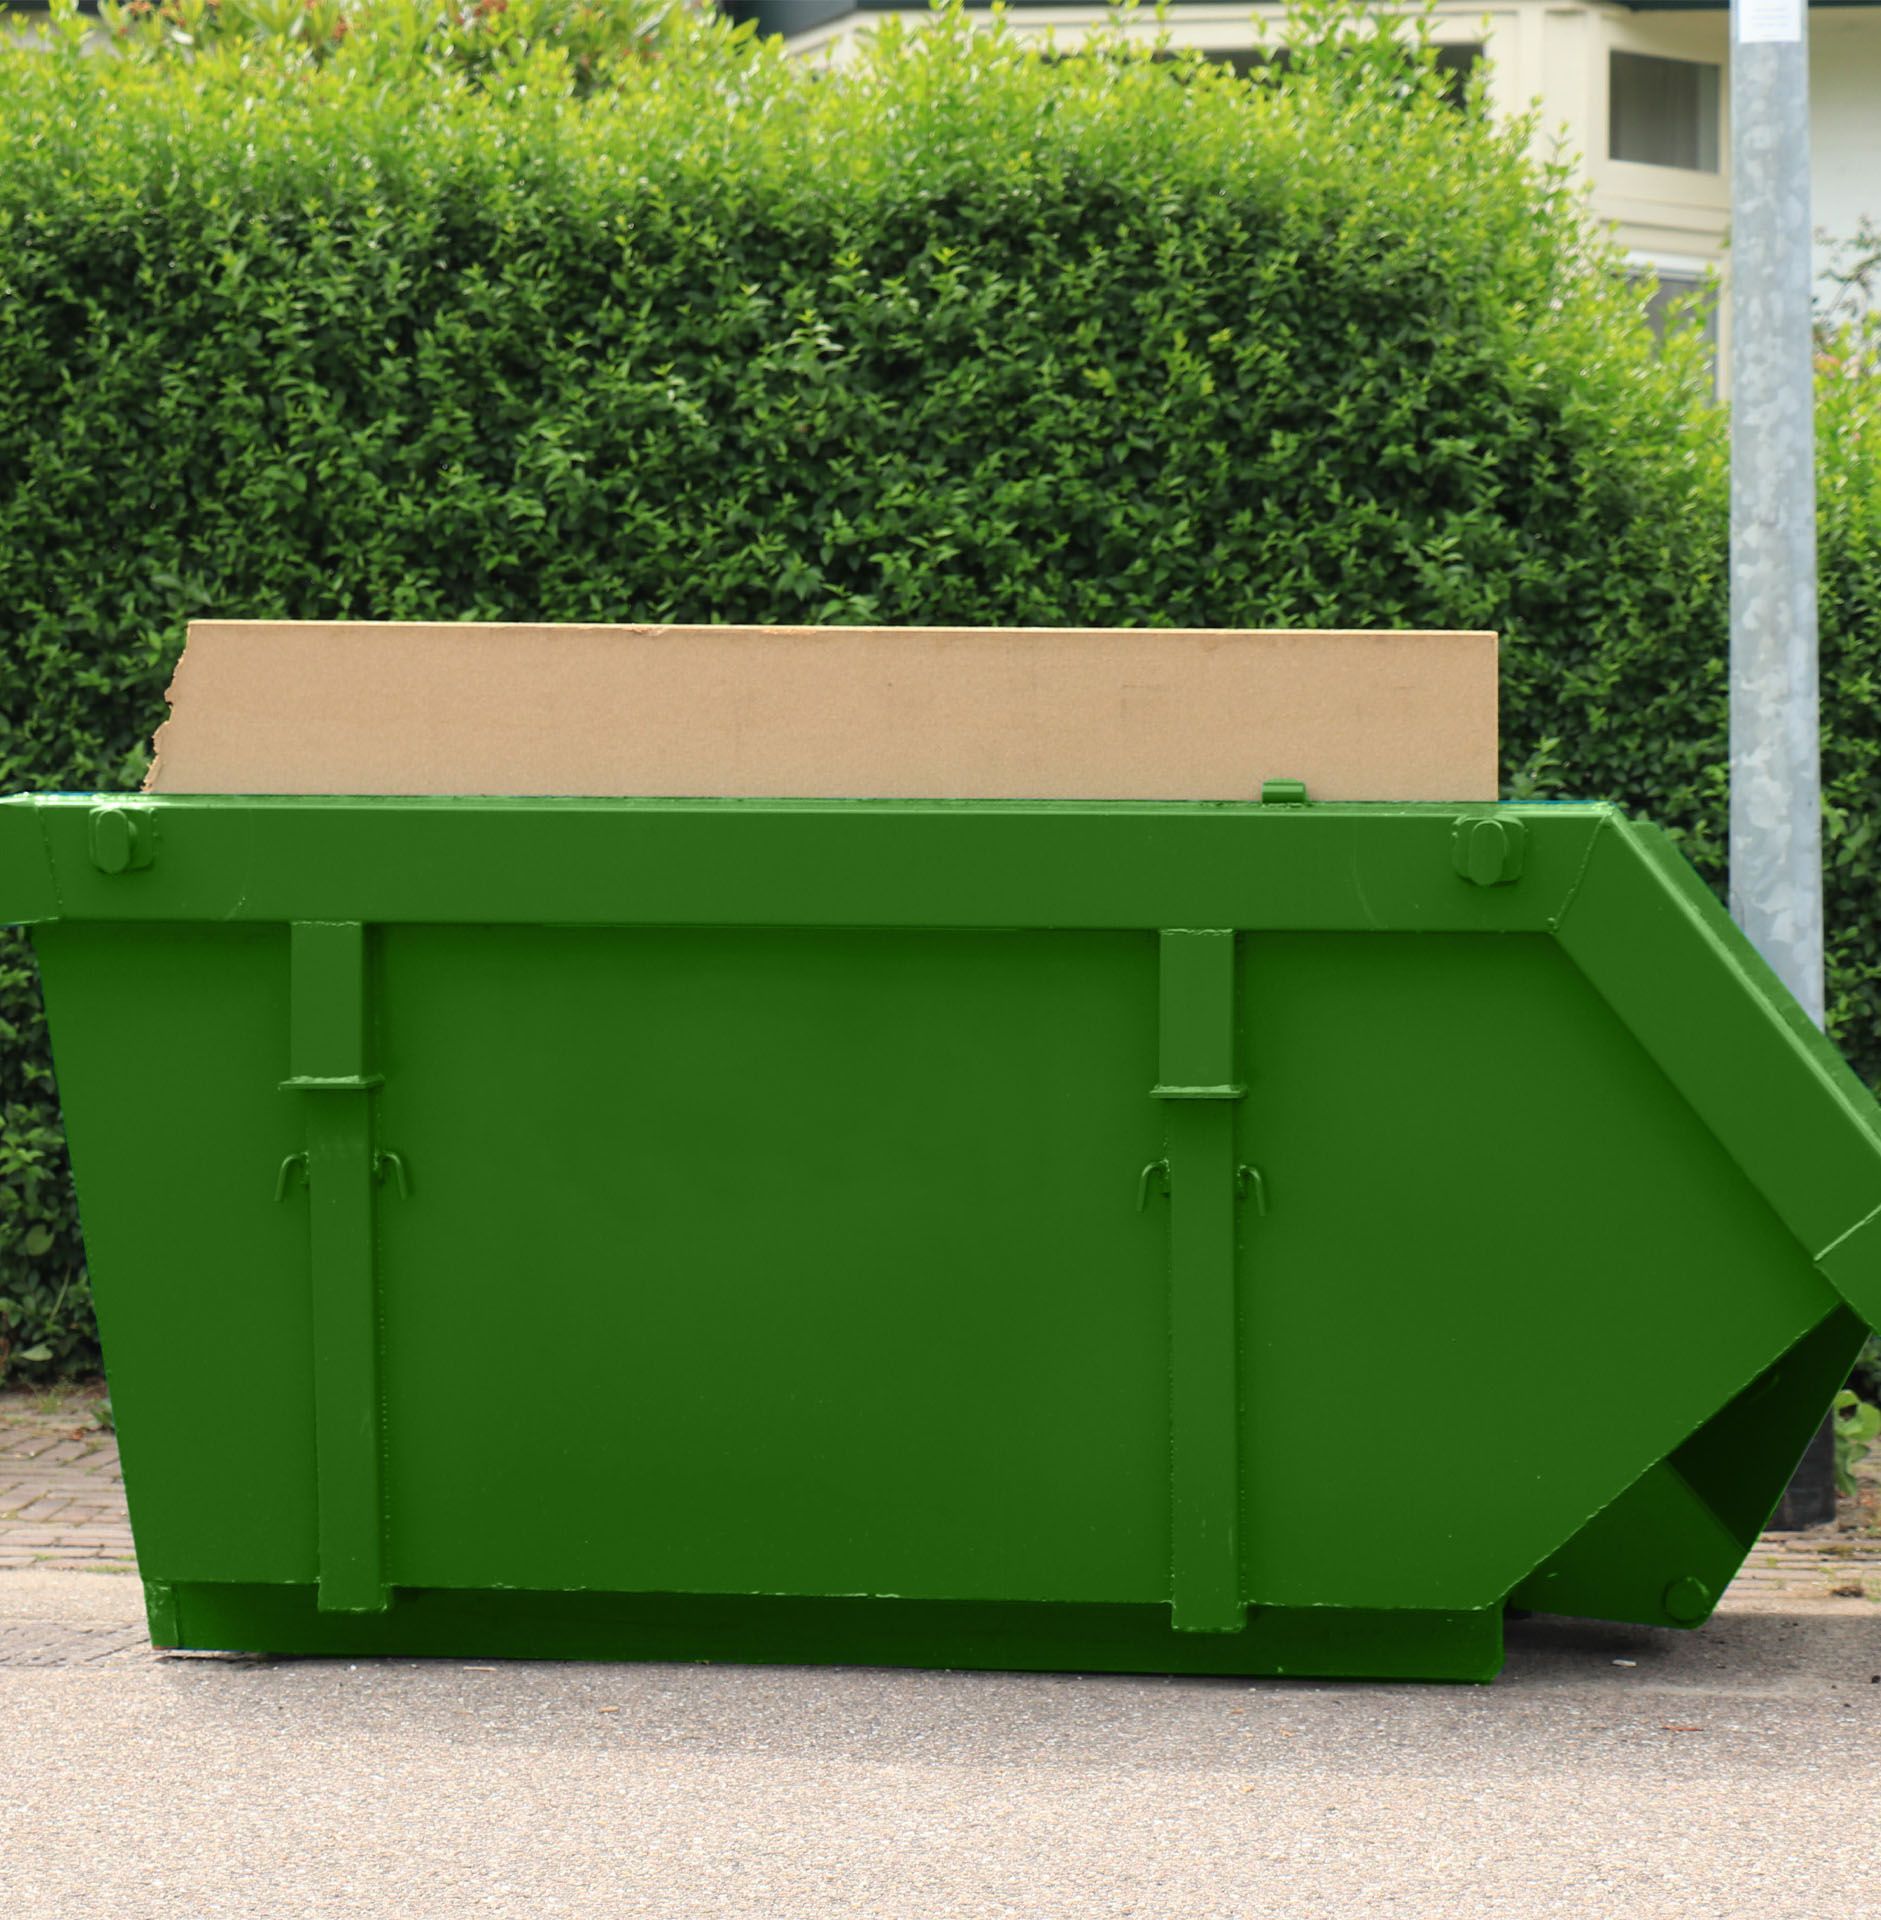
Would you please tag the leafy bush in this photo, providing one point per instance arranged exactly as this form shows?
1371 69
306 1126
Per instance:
954 334
398 41
1855 1424
1866 1377
1848 530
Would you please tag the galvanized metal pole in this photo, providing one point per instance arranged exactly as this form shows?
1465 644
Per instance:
1776 815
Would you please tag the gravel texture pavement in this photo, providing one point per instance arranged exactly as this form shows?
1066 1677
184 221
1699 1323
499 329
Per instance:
1611 1772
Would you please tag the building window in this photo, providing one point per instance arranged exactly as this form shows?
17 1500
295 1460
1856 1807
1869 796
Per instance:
1681 298
1663 113
1454 63
1241 62
1688 293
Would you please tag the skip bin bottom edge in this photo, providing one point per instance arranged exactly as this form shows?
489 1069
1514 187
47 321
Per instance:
1311 1642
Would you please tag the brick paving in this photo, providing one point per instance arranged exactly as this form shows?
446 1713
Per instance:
1838 1562
62 1505
1824 1563
61 1491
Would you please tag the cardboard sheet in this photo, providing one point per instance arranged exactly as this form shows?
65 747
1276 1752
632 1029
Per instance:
800 712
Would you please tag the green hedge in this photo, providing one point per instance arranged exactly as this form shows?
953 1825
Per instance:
399 42
1849 531
954 335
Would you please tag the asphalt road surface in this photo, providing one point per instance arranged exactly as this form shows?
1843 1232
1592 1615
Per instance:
1610 1772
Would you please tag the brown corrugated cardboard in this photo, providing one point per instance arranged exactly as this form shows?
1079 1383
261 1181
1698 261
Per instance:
797 712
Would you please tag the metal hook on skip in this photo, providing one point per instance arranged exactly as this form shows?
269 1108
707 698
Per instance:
1149 1173
1248 1180
385 1158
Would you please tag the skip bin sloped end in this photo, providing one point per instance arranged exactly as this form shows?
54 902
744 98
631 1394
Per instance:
27 892
1664 1551
1852 1265
1660 949
1805 1137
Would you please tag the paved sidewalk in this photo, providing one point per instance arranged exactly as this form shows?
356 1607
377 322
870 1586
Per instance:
61 1492
62 1506
1612 1773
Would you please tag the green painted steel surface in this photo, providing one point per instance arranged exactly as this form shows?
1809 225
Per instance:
954 1233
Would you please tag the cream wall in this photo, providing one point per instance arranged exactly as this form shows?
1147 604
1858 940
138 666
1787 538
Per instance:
1664 214
1553 57
1845 116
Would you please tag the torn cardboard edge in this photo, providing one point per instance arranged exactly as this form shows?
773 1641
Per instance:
933 713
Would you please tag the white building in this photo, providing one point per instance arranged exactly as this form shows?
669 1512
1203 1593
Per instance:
1639 93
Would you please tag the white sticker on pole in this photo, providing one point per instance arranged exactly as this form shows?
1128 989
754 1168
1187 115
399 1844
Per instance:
1762 21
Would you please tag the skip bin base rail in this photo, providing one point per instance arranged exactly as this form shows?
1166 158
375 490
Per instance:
977 1233
763 1630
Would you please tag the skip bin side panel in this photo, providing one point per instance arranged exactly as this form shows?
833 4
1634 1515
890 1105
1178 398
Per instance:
1502 1255
776 1262
169 1043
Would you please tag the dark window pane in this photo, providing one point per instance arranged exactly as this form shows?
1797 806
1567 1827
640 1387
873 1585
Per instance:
1242 62
1663 113
1456 64
1670 291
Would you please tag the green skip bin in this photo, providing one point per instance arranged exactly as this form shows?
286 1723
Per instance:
1194 1237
